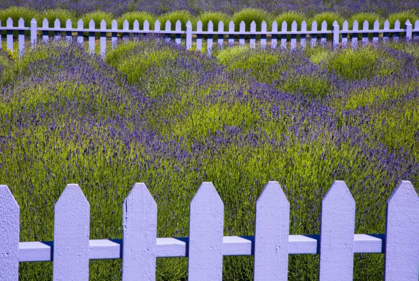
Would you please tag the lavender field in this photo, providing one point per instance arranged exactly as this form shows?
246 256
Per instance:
156 113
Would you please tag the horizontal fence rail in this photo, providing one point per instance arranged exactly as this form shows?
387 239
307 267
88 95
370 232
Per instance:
283 34
205 247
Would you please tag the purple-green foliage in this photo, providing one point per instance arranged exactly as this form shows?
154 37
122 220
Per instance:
70 117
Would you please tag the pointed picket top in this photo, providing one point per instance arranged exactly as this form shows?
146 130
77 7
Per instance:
397 24
9 22
294 26
271 234
9 235
157 25
345 26
178 25
125 25
57 23
337 233
231 26
136 25
274 26
407 22
355 25
284 26
220 26
314 26
253 25
103 24
417 24
146 25
80 24
199 26
91 24
335 23
210 26
32 21
366 25
68 24
386 24
304 25
71 235
140 233
206 226
264 26
402 231
188 23
21 22
114 25
168 25
242 26
376 25
45 23
324 25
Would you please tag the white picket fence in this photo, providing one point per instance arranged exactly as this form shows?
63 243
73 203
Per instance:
205 247
340 36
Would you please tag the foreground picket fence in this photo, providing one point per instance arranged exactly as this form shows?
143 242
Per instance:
205 247
340 36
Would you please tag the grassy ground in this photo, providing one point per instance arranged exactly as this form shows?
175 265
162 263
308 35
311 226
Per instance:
156 113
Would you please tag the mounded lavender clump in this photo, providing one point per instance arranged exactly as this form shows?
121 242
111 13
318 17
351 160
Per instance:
172 118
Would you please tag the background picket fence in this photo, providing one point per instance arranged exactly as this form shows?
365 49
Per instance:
340 36
205 247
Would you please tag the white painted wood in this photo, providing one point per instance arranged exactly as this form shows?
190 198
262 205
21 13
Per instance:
168 27
231 35
375 35
220 36
396 35
68 35
45 36
210 37
146 26
34 33
9 35
241 36
323 37
409 30
136 30
0 37
337 234
336 35
103 39
365 28
157 27
252 36
114 34
92 38
402 232
313 35
21 37
416 33
80 38
284 29
206 235
271 234
345 28
355 35
263 36
303 37
199 36
178 28
71 236
274 37
386 35
9 235
57 34
125 28
294 36
188 35
140 233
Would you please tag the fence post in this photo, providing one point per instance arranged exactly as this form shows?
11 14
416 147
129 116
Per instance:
416 33
188 35
125 35
313 35
402 232
303 37
409 32
396 34
103 39
34 32
71 236
92 27
231 29
9 35
199 36
57 25
140 234
323 37
210 37
45 34
21 38
375 35
220 36
263 35
114 39
136 29
274 37
157 28
146 27
386 33
284 29
336 35
178 35
355 27
242 29
345 28
80 38
337 234
365 27
9 235
252 42
68 25
206 235
294 36
271 234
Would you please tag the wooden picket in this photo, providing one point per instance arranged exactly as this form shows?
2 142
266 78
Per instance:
206 245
